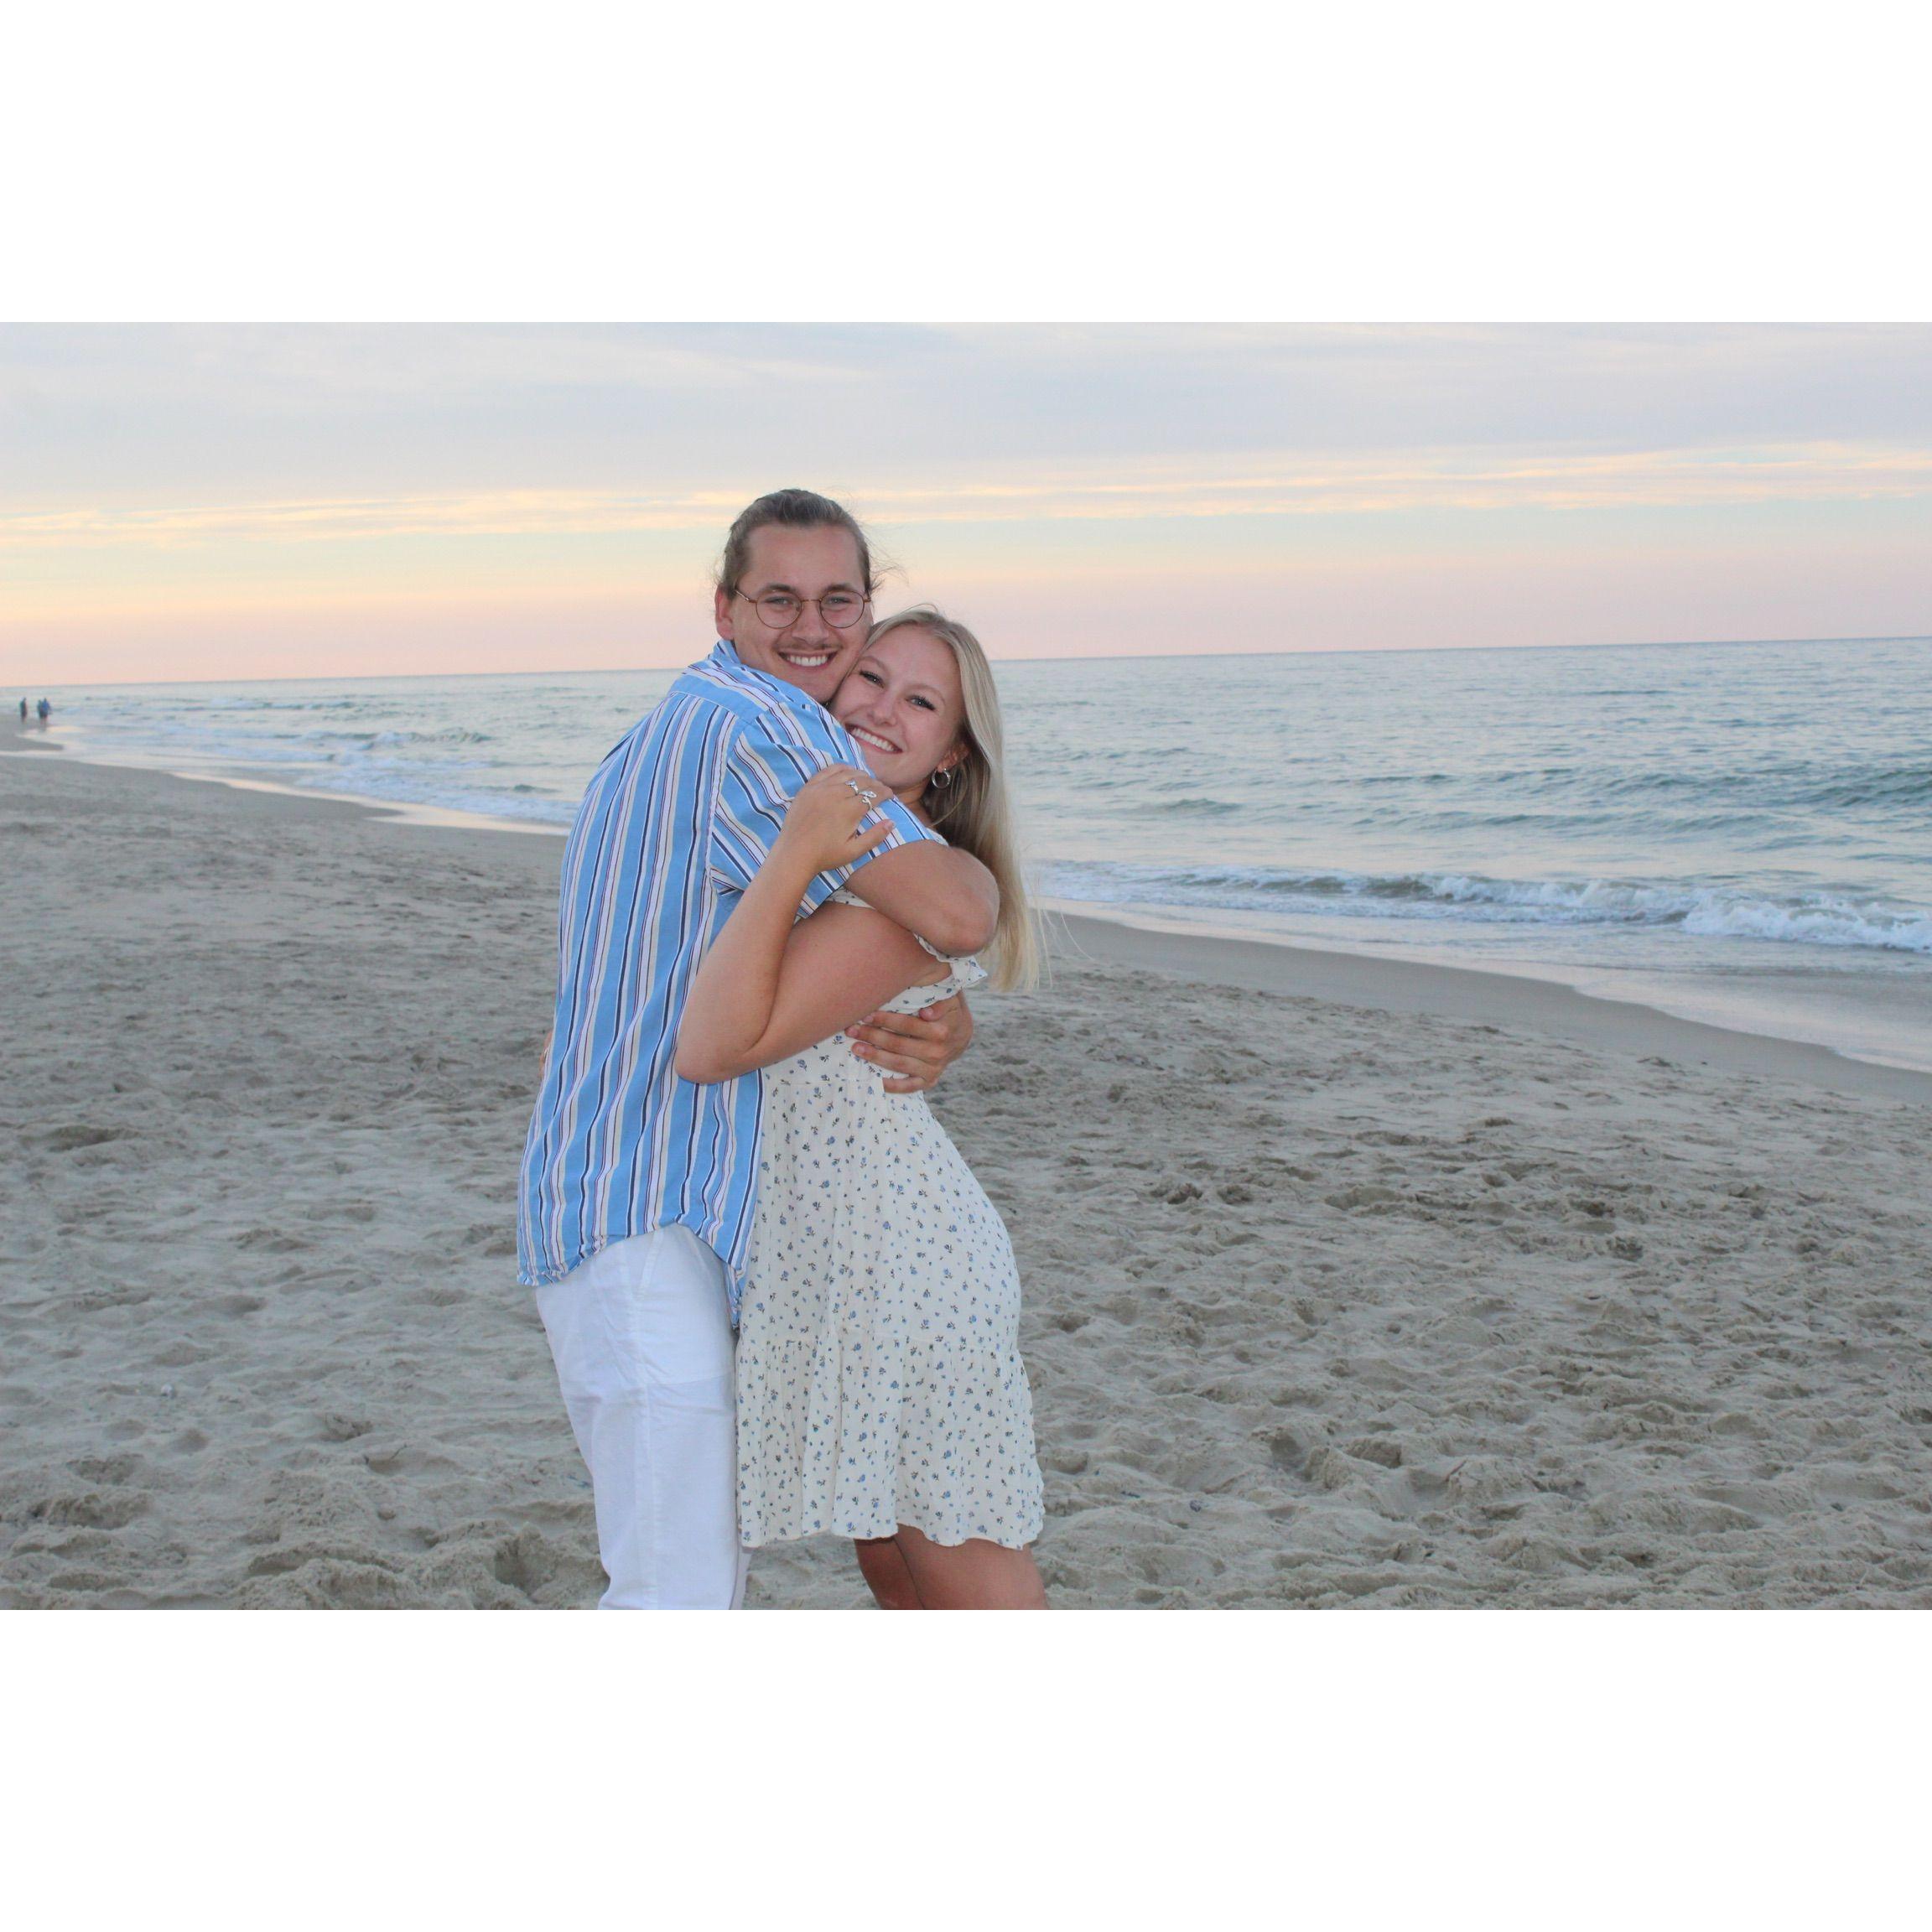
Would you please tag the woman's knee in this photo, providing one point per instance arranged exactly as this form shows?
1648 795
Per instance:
882 1563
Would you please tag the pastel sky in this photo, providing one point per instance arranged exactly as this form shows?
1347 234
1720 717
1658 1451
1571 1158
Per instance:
256 502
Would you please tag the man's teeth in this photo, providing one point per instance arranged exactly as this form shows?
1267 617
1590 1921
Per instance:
808 663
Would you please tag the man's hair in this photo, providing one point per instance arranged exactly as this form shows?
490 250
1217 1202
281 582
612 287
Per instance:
791 510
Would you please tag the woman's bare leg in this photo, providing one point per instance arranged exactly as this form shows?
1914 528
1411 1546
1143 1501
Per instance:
882 1563
974 1576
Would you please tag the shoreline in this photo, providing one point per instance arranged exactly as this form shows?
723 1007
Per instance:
439 816
1293 967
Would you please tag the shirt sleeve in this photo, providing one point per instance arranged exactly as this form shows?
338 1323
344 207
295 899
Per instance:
768 761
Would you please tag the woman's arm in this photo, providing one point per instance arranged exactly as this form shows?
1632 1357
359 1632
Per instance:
769 987
834 969
938 890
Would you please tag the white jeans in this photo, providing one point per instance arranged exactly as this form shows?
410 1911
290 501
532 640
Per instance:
642 1341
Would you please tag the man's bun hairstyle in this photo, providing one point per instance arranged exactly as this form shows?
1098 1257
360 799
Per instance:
790 509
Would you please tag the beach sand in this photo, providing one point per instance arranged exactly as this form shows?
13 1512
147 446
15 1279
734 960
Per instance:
1348 1283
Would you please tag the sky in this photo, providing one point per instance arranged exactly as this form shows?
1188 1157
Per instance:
261 502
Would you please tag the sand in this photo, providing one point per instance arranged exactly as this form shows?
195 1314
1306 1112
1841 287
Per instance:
1345 1287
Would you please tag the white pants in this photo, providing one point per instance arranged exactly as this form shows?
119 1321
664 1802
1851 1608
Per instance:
642 1341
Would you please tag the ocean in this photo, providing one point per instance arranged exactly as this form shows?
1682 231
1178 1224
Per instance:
1739 834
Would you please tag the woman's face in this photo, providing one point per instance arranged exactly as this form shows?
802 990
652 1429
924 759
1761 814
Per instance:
903 703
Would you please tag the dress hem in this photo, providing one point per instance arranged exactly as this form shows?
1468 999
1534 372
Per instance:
882 1535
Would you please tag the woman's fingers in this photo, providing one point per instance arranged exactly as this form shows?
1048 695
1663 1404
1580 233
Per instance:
841 791
852 778
825 813
835 769
840 785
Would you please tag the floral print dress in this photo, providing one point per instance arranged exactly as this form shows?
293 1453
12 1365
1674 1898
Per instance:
879 1373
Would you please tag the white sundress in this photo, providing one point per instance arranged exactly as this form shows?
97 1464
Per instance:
879 1373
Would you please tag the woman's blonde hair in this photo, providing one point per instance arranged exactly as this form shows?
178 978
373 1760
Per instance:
974 810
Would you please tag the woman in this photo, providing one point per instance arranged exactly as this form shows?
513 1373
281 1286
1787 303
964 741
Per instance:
880 1391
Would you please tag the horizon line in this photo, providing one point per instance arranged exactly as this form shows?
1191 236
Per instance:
1122 657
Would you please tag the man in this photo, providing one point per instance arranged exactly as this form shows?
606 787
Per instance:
637 1197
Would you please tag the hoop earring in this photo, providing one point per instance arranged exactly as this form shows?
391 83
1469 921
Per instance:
942 778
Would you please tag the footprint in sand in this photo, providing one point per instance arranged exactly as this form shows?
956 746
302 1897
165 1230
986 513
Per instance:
70 1139
1368 1195
110 1471
268 1241
91 1509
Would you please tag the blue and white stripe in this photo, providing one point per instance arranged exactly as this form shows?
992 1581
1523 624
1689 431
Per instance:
673 825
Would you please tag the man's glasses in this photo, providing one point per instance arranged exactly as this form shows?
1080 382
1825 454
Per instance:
780 610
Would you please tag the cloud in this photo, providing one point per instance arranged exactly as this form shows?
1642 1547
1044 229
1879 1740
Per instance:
1287 486
105 413
427 482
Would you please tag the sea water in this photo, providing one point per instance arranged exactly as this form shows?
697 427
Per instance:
1740 833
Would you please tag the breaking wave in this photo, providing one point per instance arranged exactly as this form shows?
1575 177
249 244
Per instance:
1811 918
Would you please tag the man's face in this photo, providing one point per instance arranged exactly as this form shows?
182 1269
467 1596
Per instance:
804 564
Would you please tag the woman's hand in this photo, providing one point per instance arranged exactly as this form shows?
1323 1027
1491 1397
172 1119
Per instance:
821 822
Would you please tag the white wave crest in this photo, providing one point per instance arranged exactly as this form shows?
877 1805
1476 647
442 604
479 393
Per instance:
1805 919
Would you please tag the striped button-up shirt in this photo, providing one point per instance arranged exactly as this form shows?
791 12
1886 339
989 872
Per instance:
673 825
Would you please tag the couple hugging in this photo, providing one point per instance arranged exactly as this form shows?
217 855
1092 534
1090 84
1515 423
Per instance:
728 1132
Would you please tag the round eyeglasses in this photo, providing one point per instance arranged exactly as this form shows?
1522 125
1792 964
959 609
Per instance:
780 610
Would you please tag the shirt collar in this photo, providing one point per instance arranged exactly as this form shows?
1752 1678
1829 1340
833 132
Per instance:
725 659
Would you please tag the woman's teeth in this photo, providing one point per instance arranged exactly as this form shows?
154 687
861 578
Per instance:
873 738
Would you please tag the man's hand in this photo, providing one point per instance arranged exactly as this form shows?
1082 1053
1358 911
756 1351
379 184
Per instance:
917 1047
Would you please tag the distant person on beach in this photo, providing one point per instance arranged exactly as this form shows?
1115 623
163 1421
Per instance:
636 1193
22 710
881 1396
45 711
